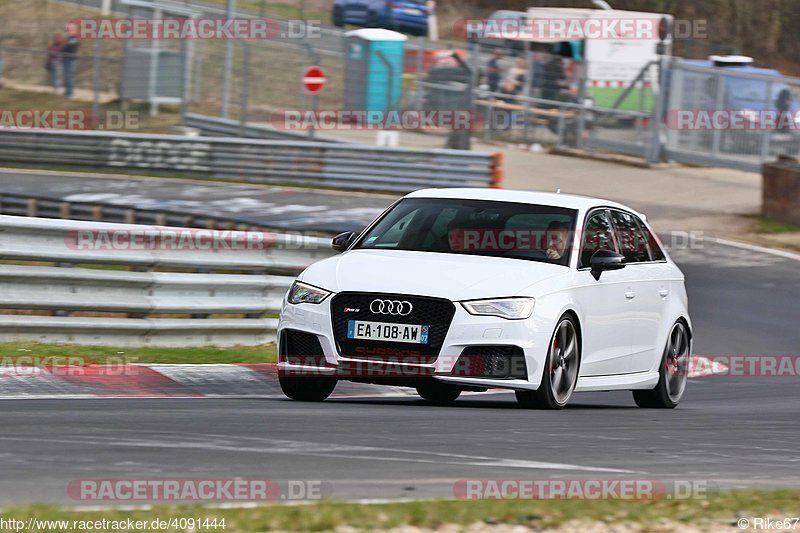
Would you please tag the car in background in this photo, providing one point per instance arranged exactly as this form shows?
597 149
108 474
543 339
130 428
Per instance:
402 15
453 290
752 91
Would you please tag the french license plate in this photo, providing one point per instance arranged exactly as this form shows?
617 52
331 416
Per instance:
412 12
383 331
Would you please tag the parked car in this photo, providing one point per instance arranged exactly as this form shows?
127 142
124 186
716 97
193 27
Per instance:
403 15
750 90
474 289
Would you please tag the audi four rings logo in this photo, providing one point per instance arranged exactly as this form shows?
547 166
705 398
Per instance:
391 307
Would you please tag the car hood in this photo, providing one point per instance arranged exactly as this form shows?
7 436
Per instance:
455 277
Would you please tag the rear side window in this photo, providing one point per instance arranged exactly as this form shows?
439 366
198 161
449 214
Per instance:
656 253
598 235
632 240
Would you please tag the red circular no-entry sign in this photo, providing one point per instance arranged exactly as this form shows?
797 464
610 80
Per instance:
314 80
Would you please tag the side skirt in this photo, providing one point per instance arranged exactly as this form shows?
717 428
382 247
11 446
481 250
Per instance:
638 381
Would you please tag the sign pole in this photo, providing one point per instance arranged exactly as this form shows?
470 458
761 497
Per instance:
313 81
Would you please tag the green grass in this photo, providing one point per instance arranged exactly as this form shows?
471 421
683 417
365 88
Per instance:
717 511
767 225
59 354
12 99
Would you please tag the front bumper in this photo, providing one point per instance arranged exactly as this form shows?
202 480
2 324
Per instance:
531 336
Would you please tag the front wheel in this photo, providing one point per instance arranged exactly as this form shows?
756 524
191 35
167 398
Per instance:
438 393
307 389
673 373
560 371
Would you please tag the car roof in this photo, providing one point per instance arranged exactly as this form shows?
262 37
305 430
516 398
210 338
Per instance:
569 201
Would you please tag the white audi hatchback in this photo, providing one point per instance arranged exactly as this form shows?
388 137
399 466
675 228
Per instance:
453 290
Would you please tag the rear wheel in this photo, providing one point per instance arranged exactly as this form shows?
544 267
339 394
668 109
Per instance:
560 372
438 393
307 389
673 373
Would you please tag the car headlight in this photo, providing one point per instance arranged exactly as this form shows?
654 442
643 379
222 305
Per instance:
303 293
510 308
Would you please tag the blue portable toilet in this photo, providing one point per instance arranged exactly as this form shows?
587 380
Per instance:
373 70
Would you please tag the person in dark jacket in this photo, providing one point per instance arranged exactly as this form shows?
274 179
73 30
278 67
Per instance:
69 54
494 71
554 79
53 64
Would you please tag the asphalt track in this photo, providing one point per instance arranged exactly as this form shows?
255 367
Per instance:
729 431
274 207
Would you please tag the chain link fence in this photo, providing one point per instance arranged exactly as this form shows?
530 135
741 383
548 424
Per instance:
739 117
533 98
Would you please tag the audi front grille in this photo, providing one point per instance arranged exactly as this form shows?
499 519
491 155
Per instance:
437 313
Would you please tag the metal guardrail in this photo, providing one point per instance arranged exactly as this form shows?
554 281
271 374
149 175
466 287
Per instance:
348 166
28 205
147 297
224 127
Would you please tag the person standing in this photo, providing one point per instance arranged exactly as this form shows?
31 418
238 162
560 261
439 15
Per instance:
515 81
554 81
493 70
69 54
53 64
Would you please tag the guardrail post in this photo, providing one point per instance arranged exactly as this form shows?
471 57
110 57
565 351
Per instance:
33 207
496 168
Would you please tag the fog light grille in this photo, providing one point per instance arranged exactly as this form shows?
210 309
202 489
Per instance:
495 362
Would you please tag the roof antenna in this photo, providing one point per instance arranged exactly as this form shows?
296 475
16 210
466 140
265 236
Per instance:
558 191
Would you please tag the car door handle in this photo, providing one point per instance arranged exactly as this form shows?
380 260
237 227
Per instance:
663 293
630 295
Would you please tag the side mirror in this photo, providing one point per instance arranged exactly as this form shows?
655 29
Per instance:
343 241
603 260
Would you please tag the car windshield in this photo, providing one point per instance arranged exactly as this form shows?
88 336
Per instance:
475 227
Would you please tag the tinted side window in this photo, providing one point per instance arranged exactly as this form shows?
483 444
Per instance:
598 235
656 254
632 241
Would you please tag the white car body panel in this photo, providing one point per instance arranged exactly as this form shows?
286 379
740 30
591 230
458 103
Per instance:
624 317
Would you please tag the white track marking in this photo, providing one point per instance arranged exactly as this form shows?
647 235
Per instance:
328 450
755 248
